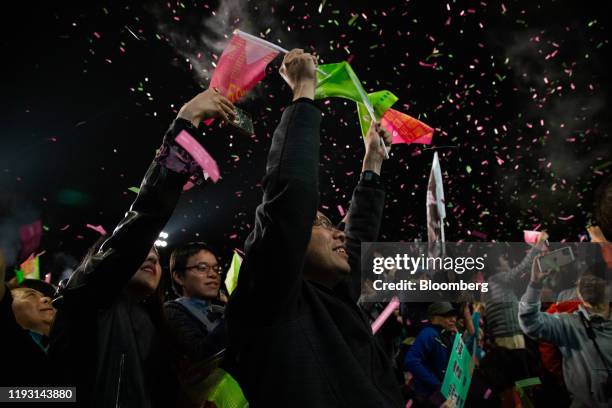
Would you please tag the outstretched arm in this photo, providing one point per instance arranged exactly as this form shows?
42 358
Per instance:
104 275
365 213
552 328
271 273
509 277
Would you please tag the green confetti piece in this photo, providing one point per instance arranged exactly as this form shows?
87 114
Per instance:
353 19
134 190
468 169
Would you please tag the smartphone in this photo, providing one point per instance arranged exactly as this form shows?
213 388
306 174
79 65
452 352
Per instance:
556 259
243 122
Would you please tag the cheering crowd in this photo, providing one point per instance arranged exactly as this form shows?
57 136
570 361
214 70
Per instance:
294 332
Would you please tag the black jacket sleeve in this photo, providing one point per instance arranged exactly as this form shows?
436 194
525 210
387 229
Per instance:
104 275
362 225
271 273
191 336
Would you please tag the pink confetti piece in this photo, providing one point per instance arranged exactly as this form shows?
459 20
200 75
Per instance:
98 228
382 318
569 217
487 393
48 277
199 154
478 234
341 210
409 403
65 227
426 65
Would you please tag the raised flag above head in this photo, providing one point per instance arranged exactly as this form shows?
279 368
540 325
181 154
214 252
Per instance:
341 82
531 237
242 65
31 268
30 236
436 211
381 101
337 80
406 129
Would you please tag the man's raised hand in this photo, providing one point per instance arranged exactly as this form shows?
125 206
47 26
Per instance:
375 154
298 70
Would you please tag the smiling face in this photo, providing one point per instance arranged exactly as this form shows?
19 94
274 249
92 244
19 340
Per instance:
200 278
326 258
33 310
146 279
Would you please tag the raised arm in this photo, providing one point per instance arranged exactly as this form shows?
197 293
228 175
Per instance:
551 328
365 213
271 273
104 275
508 278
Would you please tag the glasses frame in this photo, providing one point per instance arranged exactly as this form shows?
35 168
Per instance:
203 267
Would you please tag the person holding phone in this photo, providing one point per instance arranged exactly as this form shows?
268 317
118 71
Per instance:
584 337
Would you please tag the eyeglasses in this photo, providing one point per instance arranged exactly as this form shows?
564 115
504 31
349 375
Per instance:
203 267
324 222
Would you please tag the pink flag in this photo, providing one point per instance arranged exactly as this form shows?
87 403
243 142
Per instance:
406 129
199 154
531 237
242 64
30 238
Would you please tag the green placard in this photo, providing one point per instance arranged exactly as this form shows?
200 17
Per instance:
458 374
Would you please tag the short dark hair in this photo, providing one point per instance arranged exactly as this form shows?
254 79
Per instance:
179 257
592 289
603 207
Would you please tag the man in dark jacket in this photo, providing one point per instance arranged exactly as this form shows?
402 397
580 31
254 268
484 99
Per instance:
428 356
297 333
108 339
26 315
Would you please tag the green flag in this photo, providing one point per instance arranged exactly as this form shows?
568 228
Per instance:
381 102
340 82
231 280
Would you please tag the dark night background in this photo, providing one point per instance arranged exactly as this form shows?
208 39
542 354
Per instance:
517 92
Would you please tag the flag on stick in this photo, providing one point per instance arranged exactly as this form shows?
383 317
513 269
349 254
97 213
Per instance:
30 268
242 65
339 80
406 129
436 211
